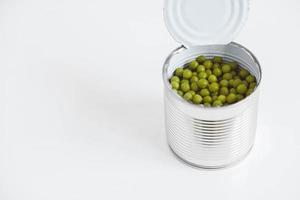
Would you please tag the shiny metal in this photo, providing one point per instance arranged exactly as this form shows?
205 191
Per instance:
210 138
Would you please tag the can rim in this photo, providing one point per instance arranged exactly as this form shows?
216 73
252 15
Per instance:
168 85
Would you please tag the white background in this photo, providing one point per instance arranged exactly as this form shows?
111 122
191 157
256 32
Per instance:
82 108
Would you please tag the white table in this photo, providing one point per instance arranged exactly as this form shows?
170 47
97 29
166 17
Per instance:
82 110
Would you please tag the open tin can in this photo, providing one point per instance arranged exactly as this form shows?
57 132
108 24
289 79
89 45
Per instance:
204 137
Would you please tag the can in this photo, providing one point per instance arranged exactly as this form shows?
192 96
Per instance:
210 138
204 137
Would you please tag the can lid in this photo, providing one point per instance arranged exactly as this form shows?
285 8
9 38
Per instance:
205 22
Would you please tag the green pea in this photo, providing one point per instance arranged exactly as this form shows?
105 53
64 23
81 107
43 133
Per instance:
222 98
214 97
175 85
245 83
214 87
194 79
217 72
208 64
197 99
202 75
215 93
250 79
249 92
226 68
217 103
231 98
201 59
193 65
243 73
239 97
179 72
185 87
188 96
233 65
187 74
232 90
175 78
204 92
224 83
207 99
241 88
218 59
224 91
195 74
216 65
192 92
233 73
200 68
180 93
237 77
208 72
252 85
202 83
227 76
194 86
212 78
236 82
184 81
231 82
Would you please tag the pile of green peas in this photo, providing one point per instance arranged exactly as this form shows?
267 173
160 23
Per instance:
212 82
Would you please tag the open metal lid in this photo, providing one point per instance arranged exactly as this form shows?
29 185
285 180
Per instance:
205 22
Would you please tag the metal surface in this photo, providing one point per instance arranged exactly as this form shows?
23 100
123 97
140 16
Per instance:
210 138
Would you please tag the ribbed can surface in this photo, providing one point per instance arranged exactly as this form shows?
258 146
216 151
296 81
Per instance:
210 137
